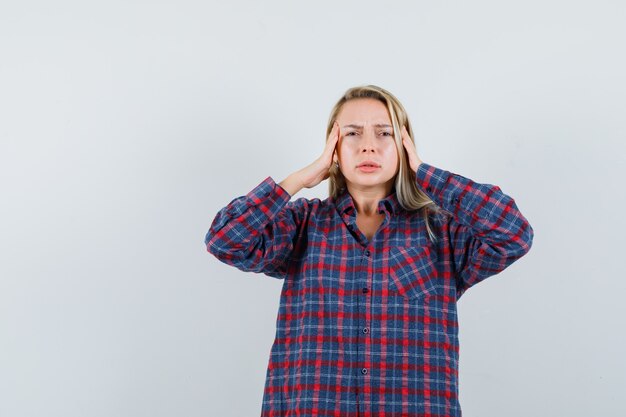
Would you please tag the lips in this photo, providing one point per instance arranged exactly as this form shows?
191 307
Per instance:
369 164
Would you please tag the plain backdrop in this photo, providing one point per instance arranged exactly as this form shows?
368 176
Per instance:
125 126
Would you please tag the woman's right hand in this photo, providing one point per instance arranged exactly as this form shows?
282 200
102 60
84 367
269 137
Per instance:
318 170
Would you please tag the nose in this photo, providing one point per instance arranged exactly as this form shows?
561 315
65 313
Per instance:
368 142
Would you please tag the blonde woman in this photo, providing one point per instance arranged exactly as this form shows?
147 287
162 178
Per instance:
367 322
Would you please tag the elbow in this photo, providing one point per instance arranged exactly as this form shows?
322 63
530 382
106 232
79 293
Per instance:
528 235
214 245
209 242
230 253
519 246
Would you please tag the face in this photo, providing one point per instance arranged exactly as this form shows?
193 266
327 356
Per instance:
366 135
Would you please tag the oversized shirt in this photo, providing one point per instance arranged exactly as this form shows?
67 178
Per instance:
369 327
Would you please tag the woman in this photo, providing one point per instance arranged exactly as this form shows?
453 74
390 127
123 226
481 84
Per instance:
367 323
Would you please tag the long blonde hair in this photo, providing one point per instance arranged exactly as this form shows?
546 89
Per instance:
410 197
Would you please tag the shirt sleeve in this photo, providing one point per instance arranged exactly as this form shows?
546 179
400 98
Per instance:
485 229
256 232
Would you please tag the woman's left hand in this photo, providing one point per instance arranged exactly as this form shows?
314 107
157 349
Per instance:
409 146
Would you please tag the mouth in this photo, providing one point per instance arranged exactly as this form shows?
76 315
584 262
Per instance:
368 164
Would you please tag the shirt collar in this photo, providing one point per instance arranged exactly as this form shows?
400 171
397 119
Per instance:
345 204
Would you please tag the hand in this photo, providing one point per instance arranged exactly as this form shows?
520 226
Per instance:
409 146
319 169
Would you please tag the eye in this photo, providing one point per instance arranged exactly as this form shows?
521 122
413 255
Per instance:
351 133
386 133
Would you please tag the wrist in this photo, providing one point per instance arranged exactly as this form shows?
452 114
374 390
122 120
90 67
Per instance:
292 184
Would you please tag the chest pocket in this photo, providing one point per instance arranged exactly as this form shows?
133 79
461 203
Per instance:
412 271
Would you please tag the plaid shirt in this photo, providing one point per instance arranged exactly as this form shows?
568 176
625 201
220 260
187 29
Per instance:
369 328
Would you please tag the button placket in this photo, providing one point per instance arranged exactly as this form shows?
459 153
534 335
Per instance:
365 330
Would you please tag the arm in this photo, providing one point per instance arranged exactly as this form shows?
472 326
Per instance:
256 232
486 231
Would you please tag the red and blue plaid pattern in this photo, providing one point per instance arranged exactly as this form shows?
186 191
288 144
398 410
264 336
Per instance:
369 328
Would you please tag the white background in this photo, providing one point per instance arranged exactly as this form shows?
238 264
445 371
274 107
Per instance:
125 127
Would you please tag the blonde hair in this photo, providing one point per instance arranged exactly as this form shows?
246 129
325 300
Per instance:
410 197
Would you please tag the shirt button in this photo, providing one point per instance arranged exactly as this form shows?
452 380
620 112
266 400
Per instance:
364 371
456 199
367 253
366 290
366 330
429 189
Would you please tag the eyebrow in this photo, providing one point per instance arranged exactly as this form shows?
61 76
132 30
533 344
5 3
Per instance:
361 127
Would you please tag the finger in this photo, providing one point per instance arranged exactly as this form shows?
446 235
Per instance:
407 138
407 147
334 136
334 132
330 137
405 133
331 144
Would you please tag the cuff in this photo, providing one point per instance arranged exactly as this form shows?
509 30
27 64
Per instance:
268 196
445 189
432 180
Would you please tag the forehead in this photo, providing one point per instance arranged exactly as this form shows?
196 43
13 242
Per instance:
363 111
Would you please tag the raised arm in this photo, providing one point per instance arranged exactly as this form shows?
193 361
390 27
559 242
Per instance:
485 230
257 232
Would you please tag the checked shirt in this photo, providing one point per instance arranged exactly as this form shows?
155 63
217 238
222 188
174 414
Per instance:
369 328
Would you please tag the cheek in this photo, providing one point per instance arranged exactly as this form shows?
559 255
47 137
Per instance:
392 151
393 158
347 142
346 147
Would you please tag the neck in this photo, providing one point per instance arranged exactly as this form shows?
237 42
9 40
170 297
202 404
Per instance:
366 199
